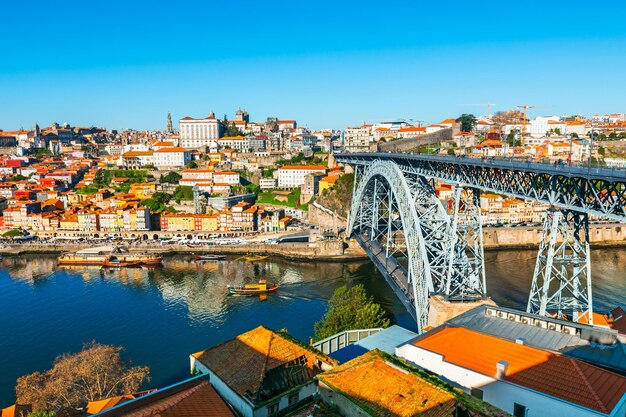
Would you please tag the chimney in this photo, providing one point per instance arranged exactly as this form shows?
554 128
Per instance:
501 368
520 341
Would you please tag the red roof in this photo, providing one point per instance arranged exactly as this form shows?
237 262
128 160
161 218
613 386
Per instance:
173 149
552 374
306 167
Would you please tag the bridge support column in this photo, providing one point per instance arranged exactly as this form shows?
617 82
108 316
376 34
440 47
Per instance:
562 278
465 279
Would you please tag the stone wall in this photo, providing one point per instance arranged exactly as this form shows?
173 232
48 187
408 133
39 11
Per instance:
324 219
521 237
403 145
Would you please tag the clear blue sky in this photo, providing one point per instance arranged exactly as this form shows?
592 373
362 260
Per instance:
325 63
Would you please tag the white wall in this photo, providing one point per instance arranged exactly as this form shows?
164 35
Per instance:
502 394
239 403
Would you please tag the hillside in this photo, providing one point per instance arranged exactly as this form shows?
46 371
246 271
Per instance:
339 198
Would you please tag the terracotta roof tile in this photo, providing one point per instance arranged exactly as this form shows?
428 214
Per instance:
552 374
193 398
245 361
371 381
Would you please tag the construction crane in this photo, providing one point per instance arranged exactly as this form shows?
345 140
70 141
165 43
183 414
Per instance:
526 107
488 105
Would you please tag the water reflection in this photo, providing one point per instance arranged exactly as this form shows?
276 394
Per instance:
161 314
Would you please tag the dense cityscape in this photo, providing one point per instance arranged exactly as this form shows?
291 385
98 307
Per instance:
209 186
312 209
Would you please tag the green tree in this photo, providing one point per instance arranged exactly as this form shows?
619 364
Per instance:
183 192
171 177
468 122
350 309
157 202
601 151
191 165
230 129
451 151
13 233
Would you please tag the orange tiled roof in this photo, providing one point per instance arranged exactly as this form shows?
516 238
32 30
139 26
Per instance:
94 407
305 167
189 399
243 362
173 149
552 374
371 381
598 319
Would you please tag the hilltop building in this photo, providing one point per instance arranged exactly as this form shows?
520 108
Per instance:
199 133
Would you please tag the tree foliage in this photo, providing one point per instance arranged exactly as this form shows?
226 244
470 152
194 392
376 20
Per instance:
13 233
183 192
171 177
157 202
468 122
94 373
230 129
350 309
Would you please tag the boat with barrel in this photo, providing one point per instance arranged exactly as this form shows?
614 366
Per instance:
209 257
101 256
115 262
262 287
255 258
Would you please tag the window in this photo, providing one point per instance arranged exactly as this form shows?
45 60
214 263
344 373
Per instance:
272 409
294 398
477 392
519 410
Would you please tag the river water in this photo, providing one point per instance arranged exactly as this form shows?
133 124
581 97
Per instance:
162 315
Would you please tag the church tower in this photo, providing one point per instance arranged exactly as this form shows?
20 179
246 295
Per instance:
170 128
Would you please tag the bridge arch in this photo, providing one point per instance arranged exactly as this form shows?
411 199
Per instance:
364 203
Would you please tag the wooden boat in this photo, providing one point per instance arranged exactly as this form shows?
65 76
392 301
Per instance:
98 256
115 262
208 257
251 258
253 289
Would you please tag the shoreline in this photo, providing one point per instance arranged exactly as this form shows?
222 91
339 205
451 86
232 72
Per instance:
294 252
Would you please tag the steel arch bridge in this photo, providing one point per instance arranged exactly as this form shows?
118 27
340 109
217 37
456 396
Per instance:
423 248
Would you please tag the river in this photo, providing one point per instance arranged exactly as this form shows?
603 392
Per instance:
162 315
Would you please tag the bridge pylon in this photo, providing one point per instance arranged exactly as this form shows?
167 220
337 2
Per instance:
562 277
465 279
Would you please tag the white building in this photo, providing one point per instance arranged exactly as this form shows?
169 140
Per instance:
262 373
357 139
226 177
411 132
192 177
198 133
521 380
541 125
168 158
291 176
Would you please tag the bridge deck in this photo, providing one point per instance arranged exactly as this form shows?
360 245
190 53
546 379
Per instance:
596 190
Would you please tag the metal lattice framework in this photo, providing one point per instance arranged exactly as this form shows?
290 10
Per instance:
385 221
466 270
562 278
599 191
445 253
406 231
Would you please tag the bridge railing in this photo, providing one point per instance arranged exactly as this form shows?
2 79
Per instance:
340 340
578 169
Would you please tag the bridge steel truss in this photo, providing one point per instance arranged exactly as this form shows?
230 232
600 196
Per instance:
598 191
418 248
451 260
